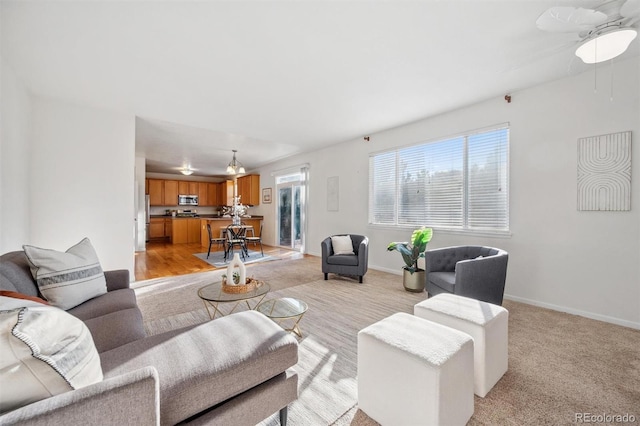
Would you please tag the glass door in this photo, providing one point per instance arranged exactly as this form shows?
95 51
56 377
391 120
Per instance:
290 211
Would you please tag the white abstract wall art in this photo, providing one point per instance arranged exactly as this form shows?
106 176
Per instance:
604 172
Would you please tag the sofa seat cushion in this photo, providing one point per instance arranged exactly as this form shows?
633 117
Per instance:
116 328
206 364
444 280
343 259
112 301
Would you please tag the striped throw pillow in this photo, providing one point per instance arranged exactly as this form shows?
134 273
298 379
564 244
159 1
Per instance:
67 279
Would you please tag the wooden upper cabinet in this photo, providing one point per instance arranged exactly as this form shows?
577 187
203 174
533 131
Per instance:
249 190
203 194
156 192
212 194
226 193
165 192
170 192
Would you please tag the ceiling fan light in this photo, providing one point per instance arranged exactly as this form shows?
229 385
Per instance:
606 46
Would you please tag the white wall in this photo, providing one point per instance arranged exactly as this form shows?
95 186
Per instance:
15 119
82 174
139 204
582 262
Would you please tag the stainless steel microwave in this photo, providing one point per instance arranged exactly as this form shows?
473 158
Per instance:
187 200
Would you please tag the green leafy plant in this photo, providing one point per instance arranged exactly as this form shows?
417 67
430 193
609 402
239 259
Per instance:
414 250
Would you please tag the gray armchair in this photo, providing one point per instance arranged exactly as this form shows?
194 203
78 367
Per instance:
346 264
472 271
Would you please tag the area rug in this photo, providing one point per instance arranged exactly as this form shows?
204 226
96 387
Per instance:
216 258
560 365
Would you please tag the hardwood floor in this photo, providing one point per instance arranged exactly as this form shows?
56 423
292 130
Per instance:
162 259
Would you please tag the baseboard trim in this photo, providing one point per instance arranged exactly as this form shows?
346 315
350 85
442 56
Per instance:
591 315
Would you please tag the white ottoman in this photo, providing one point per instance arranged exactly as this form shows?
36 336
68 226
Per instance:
486 323
415 372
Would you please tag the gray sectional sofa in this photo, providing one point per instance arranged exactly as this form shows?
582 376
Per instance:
235 370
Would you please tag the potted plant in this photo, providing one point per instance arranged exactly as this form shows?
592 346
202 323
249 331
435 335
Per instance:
413 277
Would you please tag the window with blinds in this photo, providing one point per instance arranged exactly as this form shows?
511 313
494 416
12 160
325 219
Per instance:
456 183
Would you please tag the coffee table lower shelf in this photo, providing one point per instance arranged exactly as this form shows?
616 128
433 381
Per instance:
283 309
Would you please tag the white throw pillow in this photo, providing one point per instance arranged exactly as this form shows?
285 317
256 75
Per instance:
44 351
67 279
342 244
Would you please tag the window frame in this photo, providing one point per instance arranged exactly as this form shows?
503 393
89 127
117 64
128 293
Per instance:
465 229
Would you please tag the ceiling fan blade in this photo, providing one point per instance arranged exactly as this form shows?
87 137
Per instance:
566 19
630 8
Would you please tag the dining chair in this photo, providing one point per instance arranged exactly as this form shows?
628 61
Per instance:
255 240
219 241
236 237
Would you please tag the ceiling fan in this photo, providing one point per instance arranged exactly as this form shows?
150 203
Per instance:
603 32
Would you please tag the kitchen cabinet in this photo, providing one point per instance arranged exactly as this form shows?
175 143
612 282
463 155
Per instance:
217 224
156 192
185 230
208 194
163 192
226 193
249 190
212 194
170 192
168 228
203 195
187 188
156 228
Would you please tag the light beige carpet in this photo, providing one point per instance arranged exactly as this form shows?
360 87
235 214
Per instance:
559 364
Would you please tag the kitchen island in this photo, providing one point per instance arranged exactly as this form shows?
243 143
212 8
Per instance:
193 229
220 223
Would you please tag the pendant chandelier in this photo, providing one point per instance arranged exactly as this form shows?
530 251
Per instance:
235 167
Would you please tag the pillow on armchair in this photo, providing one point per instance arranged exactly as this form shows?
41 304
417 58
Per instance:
342 244
45 351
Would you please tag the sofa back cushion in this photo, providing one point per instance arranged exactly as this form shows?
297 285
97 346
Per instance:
44 351
67 279
15 274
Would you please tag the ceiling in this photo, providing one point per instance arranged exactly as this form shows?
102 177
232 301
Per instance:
276 78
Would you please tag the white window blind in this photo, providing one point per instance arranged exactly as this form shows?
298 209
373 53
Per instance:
456 183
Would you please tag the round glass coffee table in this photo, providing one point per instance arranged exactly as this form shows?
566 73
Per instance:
286 308
213 294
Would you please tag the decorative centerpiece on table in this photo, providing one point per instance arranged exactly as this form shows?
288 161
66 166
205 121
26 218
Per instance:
414 278
239 283
237 211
